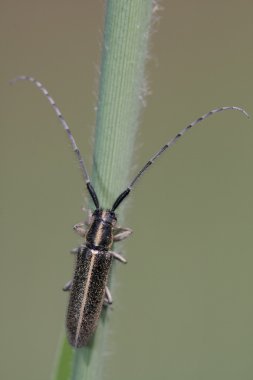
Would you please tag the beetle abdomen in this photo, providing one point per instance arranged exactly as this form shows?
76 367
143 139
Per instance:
87 295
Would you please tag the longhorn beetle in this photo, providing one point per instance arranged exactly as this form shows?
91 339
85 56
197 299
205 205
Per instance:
88 289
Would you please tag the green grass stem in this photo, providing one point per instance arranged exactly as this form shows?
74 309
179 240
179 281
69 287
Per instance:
125 44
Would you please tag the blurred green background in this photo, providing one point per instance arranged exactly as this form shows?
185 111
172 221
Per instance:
183 307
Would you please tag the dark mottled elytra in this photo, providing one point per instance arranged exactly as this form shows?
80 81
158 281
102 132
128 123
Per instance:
88 289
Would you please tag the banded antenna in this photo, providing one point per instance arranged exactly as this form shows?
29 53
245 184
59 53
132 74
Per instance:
169 144
63 122
84 172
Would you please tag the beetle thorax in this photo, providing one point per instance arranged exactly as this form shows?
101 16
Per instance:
100 232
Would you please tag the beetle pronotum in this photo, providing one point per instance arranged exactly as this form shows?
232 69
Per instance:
88 289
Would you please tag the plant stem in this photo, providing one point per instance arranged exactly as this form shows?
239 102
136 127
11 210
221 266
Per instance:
121 90
125 44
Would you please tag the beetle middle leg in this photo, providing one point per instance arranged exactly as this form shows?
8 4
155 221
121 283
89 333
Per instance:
68 286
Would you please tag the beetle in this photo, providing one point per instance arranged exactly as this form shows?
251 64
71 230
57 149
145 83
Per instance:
88 289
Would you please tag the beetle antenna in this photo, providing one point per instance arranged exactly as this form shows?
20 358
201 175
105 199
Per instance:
169 144
63 122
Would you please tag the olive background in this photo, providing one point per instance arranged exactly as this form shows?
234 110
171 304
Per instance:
183 306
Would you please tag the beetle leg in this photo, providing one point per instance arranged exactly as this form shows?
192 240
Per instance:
89 216
88 221
67 286
108 297
121 233
77 250
79 229
118 256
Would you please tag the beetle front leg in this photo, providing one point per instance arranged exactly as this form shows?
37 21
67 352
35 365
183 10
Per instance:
79 229
121 233
88 221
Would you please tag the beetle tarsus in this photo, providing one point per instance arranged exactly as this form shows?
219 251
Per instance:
68 286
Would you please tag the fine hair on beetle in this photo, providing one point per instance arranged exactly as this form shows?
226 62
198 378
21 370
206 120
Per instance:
88 288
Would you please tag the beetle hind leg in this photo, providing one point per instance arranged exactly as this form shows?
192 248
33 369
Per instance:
108 297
